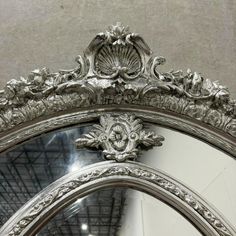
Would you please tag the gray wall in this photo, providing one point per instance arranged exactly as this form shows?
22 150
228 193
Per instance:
196 34
199 34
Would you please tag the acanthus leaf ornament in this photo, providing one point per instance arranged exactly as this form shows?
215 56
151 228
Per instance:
118 68
120 137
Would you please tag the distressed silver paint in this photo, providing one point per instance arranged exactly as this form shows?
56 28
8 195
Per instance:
117 69
32 216
121 137
117 75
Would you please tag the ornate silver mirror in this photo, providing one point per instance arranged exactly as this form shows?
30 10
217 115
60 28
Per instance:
118 153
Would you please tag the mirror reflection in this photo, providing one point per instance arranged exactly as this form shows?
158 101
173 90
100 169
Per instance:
32 166
118 212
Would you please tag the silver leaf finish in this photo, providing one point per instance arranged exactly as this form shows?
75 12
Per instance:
117 69
120 137
118 76
63 188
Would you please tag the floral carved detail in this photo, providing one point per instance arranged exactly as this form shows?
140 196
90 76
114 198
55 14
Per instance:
117 69
120 137
181 193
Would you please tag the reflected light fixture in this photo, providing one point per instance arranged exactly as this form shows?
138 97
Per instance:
74 167
84 226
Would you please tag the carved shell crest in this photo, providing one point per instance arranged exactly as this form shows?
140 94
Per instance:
112 60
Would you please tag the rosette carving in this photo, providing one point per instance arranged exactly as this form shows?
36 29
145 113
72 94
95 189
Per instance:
117 69
120 137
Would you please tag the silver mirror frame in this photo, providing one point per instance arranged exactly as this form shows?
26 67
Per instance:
118 75
33 216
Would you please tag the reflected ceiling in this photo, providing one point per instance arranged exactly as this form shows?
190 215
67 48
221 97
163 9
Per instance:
98 214
27 169
118 212
30 167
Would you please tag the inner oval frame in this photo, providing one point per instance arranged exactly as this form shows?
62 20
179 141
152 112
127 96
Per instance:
33 216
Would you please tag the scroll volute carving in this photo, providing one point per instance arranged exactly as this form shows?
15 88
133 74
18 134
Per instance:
117 68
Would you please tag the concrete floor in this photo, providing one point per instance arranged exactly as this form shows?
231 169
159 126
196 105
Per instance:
196 34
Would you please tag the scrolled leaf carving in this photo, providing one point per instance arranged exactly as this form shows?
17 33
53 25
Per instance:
117 69
181 193
119 137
